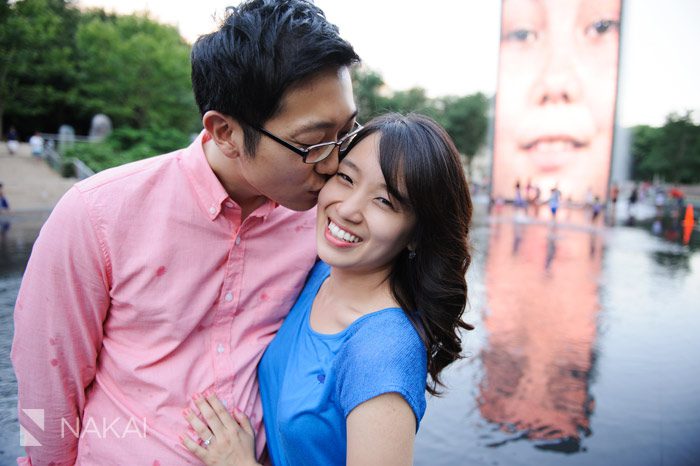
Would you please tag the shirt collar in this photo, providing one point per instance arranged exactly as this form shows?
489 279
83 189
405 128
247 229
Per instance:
207 186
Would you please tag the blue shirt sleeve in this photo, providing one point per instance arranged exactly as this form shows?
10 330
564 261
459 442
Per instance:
384 355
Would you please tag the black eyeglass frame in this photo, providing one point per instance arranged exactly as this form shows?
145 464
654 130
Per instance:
304 152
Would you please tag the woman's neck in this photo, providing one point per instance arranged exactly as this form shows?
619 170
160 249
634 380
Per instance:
363 291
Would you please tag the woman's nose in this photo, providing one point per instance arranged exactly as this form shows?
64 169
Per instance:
350 209
559 81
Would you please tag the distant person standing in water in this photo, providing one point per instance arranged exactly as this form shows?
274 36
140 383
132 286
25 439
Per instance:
614 194
596 208
554 201
4 204
634 197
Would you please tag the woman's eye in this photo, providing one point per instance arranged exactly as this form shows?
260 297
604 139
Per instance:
601 27
344 177
385 202
521 35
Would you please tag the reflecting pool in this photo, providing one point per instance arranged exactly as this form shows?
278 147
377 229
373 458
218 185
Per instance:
586 349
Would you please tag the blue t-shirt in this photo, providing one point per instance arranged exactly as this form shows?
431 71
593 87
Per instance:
309 381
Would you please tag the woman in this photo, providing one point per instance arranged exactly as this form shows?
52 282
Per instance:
344 380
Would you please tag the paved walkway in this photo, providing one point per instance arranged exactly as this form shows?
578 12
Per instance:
28 183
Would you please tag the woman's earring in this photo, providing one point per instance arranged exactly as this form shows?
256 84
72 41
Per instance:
411 255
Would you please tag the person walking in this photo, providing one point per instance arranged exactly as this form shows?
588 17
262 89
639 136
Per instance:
12 140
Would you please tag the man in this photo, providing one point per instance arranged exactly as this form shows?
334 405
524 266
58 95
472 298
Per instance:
168 277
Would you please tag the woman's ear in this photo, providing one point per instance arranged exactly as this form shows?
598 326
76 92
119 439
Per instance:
225 132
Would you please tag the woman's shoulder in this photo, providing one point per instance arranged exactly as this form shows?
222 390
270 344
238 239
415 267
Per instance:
385 334
383 354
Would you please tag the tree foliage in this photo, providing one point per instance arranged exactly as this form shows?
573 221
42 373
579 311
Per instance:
136 71
62 65
671 152
465 118
126 145
36 64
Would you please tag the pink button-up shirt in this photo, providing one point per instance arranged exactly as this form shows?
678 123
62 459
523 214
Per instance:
143 288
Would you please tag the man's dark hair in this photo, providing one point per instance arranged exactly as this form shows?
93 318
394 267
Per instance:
263 48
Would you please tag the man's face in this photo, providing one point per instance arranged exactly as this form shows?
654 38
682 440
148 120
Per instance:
556 95
320 109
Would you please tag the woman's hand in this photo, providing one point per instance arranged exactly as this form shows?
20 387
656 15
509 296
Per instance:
226 440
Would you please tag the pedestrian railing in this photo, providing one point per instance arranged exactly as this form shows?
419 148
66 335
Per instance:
54 147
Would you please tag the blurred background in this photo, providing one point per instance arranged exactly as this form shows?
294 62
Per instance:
586 304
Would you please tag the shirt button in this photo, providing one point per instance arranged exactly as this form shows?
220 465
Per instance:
220 348
238 240
228 297
229 204
212 210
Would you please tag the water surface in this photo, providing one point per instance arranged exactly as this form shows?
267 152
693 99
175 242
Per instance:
586 350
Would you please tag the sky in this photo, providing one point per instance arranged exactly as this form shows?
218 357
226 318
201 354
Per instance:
450 47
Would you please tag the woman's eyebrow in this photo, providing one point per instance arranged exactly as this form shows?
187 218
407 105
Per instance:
351 165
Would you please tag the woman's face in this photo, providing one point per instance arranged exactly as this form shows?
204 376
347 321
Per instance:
361 228
556 94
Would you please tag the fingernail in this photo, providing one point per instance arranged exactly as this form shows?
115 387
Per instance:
196 396
186 412
209 392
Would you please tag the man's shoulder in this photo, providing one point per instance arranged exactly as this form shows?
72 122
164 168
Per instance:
116 179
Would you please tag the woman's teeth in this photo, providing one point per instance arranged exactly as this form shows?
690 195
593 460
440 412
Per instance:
341 234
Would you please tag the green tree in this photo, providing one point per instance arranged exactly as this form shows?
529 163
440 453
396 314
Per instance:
136 71
411 100
465 119
367 86
373 98
36 62
671 151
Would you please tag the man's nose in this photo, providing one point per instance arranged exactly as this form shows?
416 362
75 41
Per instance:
328 166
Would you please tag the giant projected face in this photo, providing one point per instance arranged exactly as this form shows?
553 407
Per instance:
555 103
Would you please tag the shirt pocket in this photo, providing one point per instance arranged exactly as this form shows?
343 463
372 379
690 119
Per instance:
271 306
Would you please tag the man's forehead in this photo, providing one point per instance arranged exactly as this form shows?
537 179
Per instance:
316 124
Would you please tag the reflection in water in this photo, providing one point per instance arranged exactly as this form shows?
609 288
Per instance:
541 320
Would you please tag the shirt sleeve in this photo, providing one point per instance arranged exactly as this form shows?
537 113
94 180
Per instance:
60 309
384 355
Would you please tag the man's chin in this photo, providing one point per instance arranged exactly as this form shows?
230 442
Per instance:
298 206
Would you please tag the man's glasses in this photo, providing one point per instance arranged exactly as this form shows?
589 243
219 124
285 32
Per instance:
317 152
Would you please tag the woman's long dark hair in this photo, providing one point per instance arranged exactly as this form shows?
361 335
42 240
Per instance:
418 155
